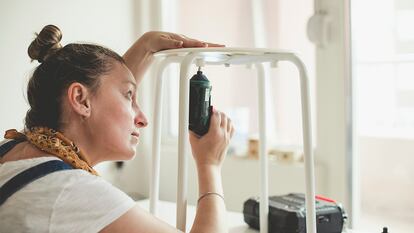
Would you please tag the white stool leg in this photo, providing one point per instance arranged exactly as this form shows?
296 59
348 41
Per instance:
156 140
264 178
307 146
183 142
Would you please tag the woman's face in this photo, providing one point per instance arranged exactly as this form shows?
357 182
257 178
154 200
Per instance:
115 115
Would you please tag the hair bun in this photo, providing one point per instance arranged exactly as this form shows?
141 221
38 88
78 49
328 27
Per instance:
46 43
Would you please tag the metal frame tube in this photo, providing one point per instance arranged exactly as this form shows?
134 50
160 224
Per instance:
183 143
307 138
264 178
307 145
156 137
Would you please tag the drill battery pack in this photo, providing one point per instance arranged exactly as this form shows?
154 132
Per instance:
287 214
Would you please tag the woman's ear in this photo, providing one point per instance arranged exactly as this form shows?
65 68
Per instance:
79 99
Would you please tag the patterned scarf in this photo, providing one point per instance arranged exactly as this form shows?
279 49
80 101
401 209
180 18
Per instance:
54 142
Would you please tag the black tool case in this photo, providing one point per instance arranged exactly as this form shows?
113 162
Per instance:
287 214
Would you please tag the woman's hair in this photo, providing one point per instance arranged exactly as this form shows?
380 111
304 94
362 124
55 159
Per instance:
59 68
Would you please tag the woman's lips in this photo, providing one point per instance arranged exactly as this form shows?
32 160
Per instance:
136 134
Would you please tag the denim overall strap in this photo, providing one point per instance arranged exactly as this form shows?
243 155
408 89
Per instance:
6 147
28 175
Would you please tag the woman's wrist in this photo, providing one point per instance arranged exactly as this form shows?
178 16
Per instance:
208 168
209 179
208 194
144 43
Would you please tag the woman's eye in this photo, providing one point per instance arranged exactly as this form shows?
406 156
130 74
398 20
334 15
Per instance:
129 95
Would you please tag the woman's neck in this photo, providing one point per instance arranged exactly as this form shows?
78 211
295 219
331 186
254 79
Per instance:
83 142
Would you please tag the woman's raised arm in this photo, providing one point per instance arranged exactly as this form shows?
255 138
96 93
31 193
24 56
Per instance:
140 55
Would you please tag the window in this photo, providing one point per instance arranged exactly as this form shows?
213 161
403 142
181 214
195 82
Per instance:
384 69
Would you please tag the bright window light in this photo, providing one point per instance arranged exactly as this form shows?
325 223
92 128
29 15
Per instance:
404 22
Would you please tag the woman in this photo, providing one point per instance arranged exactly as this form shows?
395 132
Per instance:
83 110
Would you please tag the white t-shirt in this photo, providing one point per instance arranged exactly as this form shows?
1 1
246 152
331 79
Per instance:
63 201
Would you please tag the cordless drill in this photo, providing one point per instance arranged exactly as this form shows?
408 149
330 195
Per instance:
200 104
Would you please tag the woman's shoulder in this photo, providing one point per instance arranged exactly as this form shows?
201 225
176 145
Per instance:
87 200
12 168
54 184
58 182
61 178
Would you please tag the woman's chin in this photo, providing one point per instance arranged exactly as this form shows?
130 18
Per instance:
125 154
131 154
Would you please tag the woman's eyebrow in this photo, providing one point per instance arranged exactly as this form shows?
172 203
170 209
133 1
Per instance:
132 83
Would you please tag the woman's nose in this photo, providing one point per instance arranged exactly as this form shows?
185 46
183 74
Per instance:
140 119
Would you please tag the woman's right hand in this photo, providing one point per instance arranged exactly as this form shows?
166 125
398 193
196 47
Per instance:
211 148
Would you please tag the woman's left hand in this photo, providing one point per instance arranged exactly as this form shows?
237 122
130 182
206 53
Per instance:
156 41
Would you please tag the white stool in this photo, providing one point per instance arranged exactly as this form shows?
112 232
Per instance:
227 57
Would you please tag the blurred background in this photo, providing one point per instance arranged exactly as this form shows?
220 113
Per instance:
362 84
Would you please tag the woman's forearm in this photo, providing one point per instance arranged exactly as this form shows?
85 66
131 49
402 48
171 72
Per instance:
138 58
211 210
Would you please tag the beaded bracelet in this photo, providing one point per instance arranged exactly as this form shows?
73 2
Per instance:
209 193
